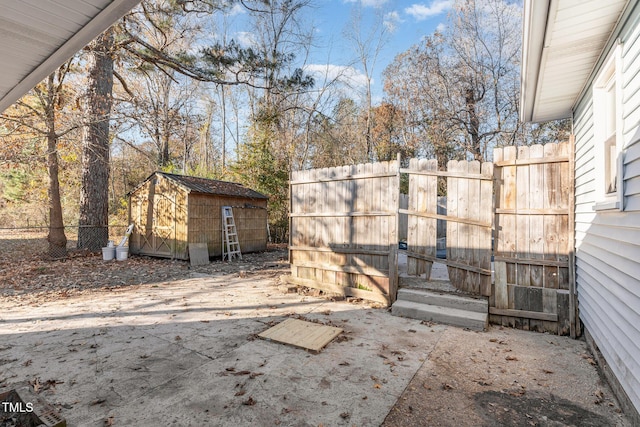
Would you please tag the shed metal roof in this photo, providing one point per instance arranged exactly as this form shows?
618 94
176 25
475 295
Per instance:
38 36
213 186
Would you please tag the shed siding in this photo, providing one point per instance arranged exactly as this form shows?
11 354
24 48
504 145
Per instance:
167 217
205 224
608 242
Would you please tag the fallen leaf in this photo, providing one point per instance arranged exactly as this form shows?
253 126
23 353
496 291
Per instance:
249 402
35 383
376 385
108 421
240 393
511 358
599 397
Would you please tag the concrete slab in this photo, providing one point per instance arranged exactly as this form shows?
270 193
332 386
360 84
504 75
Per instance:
447 315
186 353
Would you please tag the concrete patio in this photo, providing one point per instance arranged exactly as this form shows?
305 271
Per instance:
186 353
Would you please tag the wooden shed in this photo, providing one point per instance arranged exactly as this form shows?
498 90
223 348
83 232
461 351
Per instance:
171 211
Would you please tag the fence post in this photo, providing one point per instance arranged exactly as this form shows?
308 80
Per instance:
290 219
393 238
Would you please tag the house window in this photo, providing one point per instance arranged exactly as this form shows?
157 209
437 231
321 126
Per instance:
607 113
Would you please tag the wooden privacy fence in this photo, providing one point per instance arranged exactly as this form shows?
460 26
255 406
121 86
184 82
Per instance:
403 219
344 230
468 222
534 235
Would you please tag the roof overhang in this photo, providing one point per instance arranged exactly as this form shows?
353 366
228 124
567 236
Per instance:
562 43
39 36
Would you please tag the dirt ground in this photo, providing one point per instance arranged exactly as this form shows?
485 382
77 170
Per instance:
444 376
29 276
506 377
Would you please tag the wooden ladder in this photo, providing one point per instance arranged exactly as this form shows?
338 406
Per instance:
230 244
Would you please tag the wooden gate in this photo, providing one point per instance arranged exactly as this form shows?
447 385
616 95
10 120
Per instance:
344 230
534 284
164 224
469 222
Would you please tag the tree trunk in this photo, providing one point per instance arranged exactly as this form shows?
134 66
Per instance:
93 232
474 125
57 239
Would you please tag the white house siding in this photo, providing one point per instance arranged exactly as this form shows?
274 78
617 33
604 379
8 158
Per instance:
608 242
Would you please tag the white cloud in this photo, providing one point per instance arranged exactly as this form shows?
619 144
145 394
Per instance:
368 3
341 73
237 9
392 20
246 39
421 12
441 27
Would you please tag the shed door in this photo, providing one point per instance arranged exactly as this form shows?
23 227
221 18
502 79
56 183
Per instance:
164 225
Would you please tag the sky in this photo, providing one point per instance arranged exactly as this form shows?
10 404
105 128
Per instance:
406 23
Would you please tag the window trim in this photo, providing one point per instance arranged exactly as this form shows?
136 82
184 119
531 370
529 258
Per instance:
611 70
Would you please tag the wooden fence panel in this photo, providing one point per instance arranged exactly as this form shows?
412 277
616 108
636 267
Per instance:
344 229
468 220
532 232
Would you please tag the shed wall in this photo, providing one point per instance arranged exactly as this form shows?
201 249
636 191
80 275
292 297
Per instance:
205 226
608 242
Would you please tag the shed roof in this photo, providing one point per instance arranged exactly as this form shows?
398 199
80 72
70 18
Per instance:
212 186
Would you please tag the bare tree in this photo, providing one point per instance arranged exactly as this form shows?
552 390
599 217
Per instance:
367 41
458 88
37 114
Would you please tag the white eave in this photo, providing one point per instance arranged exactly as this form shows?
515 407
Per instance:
37 36
562 42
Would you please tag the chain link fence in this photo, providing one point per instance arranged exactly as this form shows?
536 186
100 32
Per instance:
85 237
278 234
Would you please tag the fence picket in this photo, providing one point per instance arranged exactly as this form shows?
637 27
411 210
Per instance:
542 208
474 207
452 227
